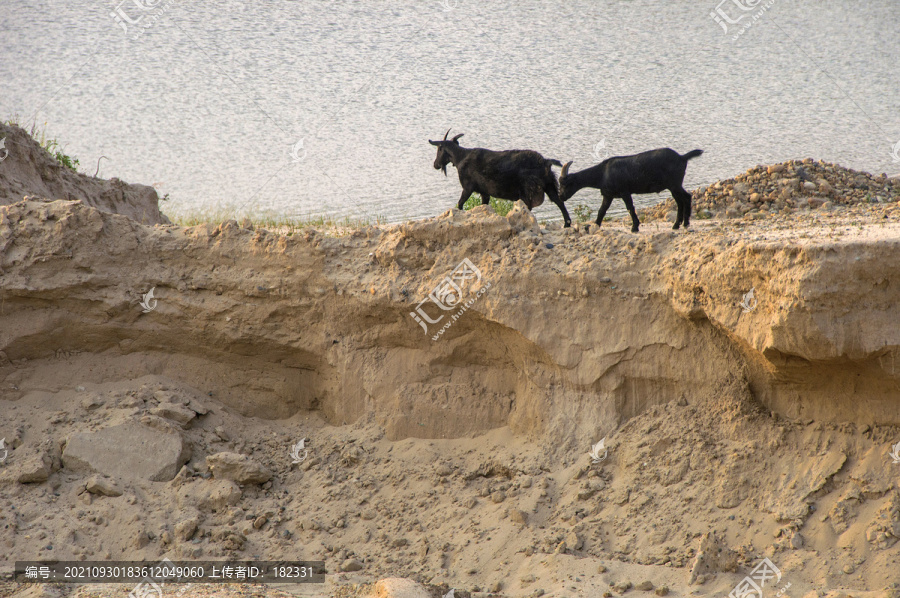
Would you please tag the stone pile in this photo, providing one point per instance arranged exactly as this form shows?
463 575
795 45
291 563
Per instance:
787 187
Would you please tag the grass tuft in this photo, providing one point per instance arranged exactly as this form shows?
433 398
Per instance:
501 206
51 145
275 222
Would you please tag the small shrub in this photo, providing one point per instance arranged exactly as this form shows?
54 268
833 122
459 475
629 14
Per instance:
48 144
501 206
582 213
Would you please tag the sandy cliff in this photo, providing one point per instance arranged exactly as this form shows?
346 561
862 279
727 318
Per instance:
460 457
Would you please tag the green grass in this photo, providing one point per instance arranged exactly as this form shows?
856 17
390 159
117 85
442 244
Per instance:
501 206
275 222
51 145
583 213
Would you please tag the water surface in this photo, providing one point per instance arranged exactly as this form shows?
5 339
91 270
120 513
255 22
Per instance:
206 100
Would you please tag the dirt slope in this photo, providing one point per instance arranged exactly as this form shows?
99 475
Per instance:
28 170
462 460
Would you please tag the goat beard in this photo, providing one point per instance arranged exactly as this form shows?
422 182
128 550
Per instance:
444 168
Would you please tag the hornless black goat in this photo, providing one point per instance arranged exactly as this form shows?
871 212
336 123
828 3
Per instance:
511 174
622 176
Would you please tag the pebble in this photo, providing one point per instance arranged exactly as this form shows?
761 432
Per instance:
350 565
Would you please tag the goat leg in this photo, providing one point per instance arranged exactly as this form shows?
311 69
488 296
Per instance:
679 202
635 223
607 200
466 193
687 207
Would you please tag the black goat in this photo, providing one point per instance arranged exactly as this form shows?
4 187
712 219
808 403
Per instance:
622 176
511 174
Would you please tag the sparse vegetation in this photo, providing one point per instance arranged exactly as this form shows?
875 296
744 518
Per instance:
50 144
275 222
582 213
501 206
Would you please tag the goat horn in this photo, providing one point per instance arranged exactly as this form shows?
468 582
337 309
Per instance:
458 136
445 134
565 168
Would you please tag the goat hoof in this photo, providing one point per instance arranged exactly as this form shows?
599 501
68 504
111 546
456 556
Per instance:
567 225
676 227
634 229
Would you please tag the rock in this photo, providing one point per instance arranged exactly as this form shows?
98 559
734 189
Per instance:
521 218
351 565
127 451
443 469
33 469
796 541
815 202
399 587
238 468
222 434
186 528
775 168
518 516
644 586
259 522
216 495
574 541
601 569
662 590
622 586
498 496
103 486
176 413
141 540
90 403
310 524
810 187
713 556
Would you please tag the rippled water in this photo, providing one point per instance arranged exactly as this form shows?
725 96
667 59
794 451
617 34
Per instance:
207 100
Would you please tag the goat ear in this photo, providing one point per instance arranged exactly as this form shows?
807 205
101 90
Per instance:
457 137
565 169
434 142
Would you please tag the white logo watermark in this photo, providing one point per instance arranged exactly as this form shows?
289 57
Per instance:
733 12
447 295
149 303
4 449
297 151
3 149
753 584
895 152
595 452
295 452
148 588
895 452
749 302
600 152
449 5
142 8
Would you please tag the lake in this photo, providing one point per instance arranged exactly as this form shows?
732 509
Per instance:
306 108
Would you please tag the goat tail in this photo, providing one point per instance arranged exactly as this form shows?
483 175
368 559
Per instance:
692 154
